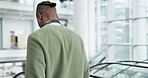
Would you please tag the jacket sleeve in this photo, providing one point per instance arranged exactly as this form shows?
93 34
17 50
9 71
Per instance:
35 67
86 67
86 64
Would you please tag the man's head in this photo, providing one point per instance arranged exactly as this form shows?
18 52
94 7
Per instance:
46 11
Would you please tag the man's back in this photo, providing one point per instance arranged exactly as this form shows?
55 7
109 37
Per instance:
56 52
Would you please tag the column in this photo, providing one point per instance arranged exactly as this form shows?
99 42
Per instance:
139 32
84 23
92 28
81 20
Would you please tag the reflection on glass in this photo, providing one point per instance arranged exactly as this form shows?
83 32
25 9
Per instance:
104 39
121 31
121 53
104 9
140 52
124 22
140 32
121 9
146 11
104 34
142 8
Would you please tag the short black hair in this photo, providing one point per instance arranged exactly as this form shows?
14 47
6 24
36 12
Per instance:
44 4
47 3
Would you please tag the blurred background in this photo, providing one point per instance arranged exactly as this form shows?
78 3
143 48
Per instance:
115 34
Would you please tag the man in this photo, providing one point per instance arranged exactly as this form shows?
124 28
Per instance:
54 51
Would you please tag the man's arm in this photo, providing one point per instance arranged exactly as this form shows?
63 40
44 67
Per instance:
35 59
86 64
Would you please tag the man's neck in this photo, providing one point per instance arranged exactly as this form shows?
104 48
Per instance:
50 21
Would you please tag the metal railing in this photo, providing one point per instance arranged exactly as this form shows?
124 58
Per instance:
103 66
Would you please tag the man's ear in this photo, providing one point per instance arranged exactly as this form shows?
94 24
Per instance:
39 16
57 16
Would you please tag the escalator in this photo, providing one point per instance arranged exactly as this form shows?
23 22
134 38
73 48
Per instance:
120 69
99 57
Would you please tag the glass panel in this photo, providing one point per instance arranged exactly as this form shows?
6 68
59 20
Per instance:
15 33
128 23
98 58
108 71
147 52
146 11
141 8
140 52
102 42
102 29
120 32
104 38
140 32
134 72
104 33
120 52
104 10
0 33
121 71
104 26
121 9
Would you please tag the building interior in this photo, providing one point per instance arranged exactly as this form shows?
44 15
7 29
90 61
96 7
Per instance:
115 35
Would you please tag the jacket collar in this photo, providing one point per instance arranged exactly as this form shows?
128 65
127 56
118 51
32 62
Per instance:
51 21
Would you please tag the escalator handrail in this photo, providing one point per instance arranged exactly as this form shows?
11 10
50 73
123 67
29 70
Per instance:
94 76
99 61
21 73
96 55
100 69
135 61
102 59
110 63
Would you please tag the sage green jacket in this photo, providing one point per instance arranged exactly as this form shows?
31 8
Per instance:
56 52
